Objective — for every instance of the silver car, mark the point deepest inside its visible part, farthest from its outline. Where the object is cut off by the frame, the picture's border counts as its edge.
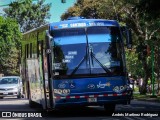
(10, 86)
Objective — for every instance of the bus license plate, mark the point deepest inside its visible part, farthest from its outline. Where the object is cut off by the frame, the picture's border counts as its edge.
(92, 99)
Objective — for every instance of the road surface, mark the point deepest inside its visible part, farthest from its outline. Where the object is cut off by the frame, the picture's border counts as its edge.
(137, 110)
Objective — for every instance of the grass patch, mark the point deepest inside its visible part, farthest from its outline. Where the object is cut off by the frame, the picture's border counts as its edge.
(136, 89)
(145, 97)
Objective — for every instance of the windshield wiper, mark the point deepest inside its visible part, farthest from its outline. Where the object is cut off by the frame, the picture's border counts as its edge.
(76, 68)
(93, 57)
(104, 68)
(89, 56)
(86, 57)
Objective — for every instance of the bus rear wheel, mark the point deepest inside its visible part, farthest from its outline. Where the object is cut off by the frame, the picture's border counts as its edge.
(109, 108)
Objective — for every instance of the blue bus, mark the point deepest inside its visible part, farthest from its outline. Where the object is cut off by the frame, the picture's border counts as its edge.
(76, 62)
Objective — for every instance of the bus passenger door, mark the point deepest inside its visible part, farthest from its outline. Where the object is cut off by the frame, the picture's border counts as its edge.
(47, 63)
(40, 59)
(46, 78)
(43, 74)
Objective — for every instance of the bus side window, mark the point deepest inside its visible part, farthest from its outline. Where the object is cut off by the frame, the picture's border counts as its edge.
(39, 48)
(27, 51)
(30, 50)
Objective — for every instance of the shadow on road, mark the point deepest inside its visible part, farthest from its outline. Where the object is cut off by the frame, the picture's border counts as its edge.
(11, 99)
(22, 105)
(77, 112)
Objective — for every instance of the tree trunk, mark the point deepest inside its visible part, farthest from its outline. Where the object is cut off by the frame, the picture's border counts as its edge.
(143, 89)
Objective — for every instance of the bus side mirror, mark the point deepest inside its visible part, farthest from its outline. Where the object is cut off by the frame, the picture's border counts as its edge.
(129, 38)
(49, 39)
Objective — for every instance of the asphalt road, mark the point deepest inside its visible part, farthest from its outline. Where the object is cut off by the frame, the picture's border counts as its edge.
(137, 110)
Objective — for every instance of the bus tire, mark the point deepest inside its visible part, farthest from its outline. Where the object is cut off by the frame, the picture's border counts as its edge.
(109, 108)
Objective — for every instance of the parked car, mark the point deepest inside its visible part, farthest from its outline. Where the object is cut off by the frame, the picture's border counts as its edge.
(11, 86)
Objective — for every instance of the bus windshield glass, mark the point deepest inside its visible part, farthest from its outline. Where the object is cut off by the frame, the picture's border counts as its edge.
(87, 52)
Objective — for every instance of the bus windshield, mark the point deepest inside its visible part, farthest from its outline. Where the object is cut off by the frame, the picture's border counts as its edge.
(87, 52)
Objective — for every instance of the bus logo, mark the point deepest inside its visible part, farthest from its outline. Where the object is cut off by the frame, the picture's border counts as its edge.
(72, 85)
(100, 85)
(108, 84)
(62, 85)
(91, 86)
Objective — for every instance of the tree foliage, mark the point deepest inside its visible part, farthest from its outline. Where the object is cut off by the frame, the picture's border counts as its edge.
(90, 9)
(133, 63)
(29, 15)
(21, 14)
(150, 7)
(148, 27)
(10, 37)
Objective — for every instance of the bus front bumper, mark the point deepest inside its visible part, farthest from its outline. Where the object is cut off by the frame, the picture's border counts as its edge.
(87, 100)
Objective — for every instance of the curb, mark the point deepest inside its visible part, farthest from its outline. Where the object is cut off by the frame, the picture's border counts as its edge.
(149, 100)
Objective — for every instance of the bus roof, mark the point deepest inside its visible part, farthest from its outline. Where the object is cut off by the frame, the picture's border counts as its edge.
(82, 23)
(37, 29)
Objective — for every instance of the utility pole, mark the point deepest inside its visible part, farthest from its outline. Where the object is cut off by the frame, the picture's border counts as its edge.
(158, 93)
(153, 76)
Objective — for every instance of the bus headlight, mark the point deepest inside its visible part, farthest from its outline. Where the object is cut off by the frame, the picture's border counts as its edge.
(116, 89)
(62, 91)
(119, 88)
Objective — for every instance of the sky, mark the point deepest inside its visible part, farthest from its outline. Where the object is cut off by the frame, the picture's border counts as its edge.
(56, 10)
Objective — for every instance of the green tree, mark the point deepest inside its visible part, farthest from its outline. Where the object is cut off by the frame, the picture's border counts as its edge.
(29, 15)
(91, 9)
(134, 66)
(10, 37)
(152, 10)
(146, 24)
